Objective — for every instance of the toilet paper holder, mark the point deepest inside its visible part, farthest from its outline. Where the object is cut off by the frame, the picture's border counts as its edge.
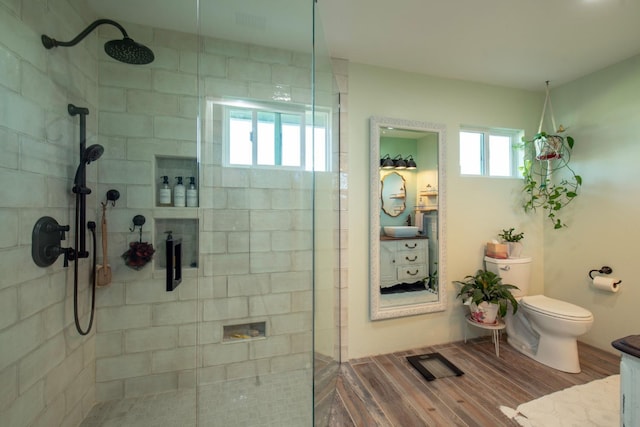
(604, 270)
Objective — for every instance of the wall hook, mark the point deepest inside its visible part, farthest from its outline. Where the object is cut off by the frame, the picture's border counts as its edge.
(138, 221)
(112, 196)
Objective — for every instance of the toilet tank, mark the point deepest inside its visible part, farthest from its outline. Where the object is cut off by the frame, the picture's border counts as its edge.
(512, 271)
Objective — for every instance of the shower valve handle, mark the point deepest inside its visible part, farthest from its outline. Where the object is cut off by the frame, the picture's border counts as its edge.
(55, 228)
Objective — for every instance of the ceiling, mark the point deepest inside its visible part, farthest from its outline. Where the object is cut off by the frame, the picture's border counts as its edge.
(511, 43)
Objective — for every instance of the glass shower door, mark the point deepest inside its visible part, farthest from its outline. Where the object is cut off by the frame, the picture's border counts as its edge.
(267, 164)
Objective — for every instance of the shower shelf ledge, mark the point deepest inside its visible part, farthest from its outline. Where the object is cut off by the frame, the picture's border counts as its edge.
(180, 213)
(187, 272)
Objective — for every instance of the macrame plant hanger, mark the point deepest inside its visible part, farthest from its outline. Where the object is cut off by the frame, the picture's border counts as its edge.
(548, 147)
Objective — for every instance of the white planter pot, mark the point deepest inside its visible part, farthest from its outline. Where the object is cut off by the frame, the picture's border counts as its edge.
(515, 249)
(484, 312)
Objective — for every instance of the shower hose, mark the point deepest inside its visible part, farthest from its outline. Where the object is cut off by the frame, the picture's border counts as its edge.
(91, 226)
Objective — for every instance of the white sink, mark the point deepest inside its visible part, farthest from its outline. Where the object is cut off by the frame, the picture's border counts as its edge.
(401, 231)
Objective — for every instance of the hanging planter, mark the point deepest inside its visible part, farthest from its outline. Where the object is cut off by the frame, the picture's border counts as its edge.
(548, 147)
(546, 155)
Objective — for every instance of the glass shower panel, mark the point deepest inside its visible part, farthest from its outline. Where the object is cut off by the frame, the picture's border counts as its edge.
(146, 353)
(326, 229)
(256, 338)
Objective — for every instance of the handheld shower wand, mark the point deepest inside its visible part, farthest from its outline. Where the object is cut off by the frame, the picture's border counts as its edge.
(87, 155)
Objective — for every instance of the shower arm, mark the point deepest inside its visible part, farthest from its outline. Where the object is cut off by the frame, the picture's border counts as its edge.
(50, 43)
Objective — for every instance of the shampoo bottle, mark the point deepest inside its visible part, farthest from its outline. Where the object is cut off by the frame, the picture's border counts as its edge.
(164, 196)
(179, 194)
(192, 193)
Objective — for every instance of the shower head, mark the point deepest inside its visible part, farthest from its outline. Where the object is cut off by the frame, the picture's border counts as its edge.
(128, 51)
(125, 50)
(92, 153)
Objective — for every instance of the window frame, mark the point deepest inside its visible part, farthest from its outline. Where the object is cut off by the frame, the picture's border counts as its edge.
(306, 115)
(516, 153)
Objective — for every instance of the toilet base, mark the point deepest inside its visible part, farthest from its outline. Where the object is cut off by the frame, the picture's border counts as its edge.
(555, 352)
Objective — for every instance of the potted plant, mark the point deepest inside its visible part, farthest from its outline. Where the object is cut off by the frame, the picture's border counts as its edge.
(545, 155)
(512, 239)
(487, 296)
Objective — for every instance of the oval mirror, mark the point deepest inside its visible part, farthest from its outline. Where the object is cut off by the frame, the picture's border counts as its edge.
(392, 194)
(407, 234)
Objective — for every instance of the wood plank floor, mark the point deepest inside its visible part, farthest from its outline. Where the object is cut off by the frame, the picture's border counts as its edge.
(387, 391)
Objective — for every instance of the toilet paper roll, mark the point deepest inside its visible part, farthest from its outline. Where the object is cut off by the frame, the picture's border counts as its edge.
(608, 284)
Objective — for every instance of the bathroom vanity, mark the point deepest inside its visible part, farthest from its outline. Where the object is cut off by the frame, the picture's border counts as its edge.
(403, 260)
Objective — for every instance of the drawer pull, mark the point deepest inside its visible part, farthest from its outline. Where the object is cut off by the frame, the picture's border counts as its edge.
(415, 245)
(412, 274)
(411, 259)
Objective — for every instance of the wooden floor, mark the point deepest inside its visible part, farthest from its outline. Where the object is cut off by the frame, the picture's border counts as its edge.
(387, 391)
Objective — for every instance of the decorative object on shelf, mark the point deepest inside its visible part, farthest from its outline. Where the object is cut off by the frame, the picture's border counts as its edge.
(486, 286)
(192, 193)
(429, 190)
(512, 239)
(179, 193)
(164, 193)
(546, 154)
(139, 253)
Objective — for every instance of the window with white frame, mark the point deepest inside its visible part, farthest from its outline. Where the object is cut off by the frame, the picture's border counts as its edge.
(276, 136)
(491, 152)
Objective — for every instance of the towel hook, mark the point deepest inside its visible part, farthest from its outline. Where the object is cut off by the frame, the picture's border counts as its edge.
(138, 221)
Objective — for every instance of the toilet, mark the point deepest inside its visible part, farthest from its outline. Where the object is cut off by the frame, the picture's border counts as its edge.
(543, 328)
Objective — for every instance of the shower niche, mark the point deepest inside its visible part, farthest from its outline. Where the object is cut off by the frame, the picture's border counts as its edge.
(185, 230)
(172, 168)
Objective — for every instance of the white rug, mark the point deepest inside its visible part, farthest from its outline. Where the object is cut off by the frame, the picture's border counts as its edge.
(593, 404)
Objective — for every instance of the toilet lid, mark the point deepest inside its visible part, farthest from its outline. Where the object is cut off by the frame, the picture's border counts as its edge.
(556, 308)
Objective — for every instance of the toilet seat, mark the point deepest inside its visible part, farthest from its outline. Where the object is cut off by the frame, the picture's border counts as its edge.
(556, 308)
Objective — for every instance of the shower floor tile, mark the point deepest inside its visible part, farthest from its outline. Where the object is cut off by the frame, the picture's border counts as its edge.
(280, 400)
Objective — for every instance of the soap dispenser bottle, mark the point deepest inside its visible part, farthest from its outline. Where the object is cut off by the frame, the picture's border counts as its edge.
(164, 196)
(192, 193)
(179, 193)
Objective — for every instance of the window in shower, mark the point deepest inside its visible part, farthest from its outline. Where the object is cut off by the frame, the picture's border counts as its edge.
(268, 135)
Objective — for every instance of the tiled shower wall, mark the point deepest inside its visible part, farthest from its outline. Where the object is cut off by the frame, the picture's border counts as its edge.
(47, 370)
(255, 235)
(255, 226)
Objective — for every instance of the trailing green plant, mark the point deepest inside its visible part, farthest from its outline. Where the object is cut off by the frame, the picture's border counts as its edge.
(510, 235)
(487, 286)
(539, 189)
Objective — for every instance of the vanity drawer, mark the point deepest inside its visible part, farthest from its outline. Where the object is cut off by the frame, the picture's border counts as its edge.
(412, 245)
(411, 257)
(412, 273)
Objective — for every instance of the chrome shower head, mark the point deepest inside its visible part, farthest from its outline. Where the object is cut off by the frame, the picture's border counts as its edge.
(125, 50)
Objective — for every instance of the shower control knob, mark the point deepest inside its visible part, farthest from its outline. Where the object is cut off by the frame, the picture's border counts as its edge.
(45, 241)
(56, 228)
